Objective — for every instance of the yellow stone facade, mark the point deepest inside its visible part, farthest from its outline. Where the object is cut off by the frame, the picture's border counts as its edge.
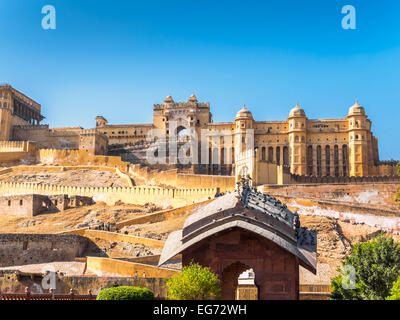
(313, 147)
(297, 145)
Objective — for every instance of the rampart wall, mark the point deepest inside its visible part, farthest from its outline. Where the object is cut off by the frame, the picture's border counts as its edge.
(113, 236)
(382, 194)
(52, 169)
(175, 179)
(130, 195)
(296, 179)
(114, 267)
(16, 282)
(79, 157)
(20, 249)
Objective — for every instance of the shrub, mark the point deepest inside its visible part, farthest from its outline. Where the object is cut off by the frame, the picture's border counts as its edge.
(376, 265)
(125, 293)
(194, 283)
(395, 292)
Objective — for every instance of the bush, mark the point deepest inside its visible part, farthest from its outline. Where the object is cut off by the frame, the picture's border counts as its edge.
(376, 265)
(194, 283)
(125, 293)
(395, 292)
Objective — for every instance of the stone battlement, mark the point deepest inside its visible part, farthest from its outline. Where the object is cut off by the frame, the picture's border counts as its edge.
(181, 105)
(14, 146)
(131, 195)
(20, 249)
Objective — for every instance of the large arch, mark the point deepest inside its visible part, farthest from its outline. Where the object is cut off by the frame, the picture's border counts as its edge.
(229, 279)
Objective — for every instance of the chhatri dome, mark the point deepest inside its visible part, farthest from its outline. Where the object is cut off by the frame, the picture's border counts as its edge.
(297, 112)
(244, 113)
(356, 109)
(169, 100)
(193, 98)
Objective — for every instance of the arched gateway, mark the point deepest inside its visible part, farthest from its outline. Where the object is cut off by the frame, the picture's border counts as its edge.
(246, 229)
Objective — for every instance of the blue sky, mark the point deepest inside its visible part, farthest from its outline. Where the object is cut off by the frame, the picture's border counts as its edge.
(117, 58)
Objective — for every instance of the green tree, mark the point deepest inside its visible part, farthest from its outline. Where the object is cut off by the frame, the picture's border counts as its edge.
(194, 283)
(395, 292)
(125, 293)
(376, 265)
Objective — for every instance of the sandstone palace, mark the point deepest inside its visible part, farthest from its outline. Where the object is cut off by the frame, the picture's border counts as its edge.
(283, 151)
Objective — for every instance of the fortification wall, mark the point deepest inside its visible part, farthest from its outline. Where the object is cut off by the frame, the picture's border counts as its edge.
(179, 180)
(383, 170)
(111, 195)
(163, 215)
(113, 236)
(52, 169)
(383, 193)
(20, 249)
(79, 157)
(15, 152)
(296, 179)
(114, 267)
(63, 138)
(14, 282)
(14, 146)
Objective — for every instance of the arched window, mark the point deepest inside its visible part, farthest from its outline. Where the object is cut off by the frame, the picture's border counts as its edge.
(285, 156)
(278, 156)
(270, 154)
(336, 160)
(328, 160)
(263, 153)
(310, 160)
(345, 159)
(319, 161)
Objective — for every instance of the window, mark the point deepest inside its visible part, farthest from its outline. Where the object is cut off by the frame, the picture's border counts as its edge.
(9, 203)
(20, 202)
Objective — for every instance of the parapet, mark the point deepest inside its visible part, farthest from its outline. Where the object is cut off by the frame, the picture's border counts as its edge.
(181, 105)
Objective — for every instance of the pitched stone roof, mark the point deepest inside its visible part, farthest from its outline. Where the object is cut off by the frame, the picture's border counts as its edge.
(250, 210)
